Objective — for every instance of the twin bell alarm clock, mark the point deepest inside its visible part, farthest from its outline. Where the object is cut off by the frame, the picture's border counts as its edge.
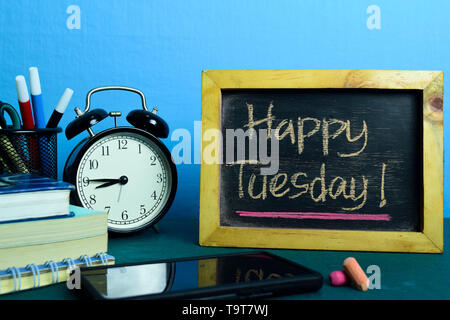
(124, 171)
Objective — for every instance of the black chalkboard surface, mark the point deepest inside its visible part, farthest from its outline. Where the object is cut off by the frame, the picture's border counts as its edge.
(349, 159)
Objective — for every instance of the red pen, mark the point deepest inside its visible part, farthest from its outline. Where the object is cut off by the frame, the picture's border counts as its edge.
(24, 103)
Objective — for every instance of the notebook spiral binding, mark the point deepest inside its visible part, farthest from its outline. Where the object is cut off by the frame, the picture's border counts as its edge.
(70, 263)
(36, 274)
(86, 260)
(54, 268)
(15, 272)
(103, 257)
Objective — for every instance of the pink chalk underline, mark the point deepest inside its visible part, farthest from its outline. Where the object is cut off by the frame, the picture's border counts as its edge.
(316, 215)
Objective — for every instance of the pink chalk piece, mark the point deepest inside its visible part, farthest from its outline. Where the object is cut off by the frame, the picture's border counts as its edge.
(338, 278)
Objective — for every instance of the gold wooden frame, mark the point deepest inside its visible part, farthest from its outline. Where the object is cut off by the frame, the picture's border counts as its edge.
(429, 240)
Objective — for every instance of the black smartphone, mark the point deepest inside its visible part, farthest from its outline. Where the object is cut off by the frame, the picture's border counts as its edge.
(229, 276)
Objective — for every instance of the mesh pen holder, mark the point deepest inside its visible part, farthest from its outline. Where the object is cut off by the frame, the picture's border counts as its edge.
(29, 151)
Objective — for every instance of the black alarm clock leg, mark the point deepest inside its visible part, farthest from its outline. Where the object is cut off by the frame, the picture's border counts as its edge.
(155, 228)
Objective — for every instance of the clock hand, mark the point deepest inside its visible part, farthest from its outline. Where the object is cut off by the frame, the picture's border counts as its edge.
(104, 180)
(120, 193)
(109, 182)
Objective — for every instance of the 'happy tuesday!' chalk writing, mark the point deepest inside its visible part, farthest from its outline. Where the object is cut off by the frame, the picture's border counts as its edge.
(320, 188)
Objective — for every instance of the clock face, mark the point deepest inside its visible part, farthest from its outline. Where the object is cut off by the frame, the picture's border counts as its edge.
(128, 176)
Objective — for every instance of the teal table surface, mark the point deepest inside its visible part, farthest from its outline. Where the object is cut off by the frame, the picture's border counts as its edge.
(403, 275)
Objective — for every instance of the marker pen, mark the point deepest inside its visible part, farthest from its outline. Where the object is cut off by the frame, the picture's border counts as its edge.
(36, 98)
(24, 102)
(60, 108)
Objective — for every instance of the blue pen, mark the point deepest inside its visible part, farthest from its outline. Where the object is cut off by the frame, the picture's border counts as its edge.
(36, 98)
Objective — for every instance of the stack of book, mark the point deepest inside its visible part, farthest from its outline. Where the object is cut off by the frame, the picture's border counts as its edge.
(42, 236)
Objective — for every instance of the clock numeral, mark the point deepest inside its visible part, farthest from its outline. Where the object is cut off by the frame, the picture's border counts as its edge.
(105, 150)
(124, 215)
(93, 164)
(153, 160)
(159, 178)
(140, 148)
(143, 210)
(122, 144)
(86, 182)
(107, 209)
(153, 195)
(92, 199)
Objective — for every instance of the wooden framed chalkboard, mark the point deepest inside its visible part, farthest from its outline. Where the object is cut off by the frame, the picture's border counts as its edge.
(322, 159)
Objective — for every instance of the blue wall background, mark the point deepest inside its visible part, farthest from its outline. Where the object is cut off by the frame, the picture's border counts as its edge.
(161, 47)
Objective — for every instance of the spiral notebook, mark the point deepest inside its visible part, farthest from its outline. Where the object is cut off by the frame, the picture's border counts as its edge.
(36, 276)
